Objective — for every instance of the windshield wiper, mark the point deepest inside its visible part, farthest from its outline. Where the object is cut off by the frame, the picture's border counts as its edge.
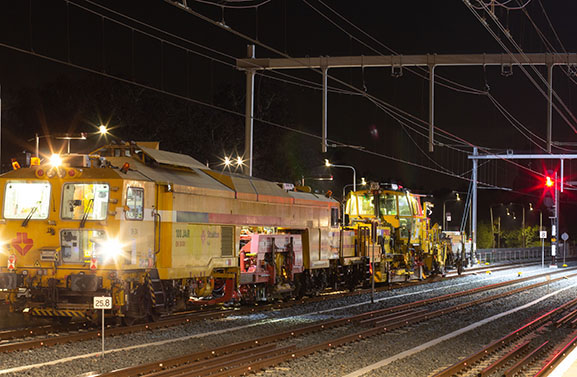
(86, 212)
(27, 219)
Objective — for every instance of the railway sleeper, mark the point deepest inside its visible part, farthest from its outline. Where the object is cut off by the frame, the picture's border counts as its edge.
(525, 361)
(505, 359)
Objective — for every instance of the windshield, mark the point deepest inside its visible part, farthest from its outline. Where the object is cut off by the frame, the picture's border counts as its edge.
(85, 201)
(388, 204)
(404, 207)
(366, 206)
(27, 200)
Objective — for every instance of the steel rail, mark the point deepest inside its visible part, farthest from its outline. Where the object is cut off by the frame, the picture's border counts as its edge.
(400, 322)
(506, 340)
(174, 320)
(557, 358)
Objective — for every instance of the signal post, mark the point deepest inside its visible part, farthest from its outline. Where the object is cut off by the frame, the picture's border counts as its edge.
(552, 187)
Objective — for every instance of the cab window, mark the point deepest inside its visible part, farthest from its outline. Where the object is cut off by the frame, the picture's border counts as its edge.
(366, 206)
(334, 217)
(135, 203)
(404, 208)
(85, 201)
(24, 200)
(388, 205)
(352, 206)
(416, 206)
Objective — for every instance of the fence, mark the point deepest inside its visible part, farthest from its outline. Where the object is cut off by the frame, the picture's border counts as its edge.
(520, 254)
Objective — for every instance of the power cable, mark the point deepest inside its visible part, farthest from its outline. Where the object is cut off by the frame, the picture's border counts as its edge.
(276, 51)
(464, 88)
(232, 112)
(222, 5)
(486, 92)
(518, 48)
(288, 78)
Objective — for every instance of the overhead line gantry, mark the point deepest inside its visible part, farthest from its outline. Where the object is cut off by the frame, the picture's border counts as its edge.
(431, 61)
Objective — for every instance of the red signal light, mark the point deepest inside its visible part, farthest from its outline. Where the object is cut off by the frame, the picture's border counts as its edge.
(549, 182)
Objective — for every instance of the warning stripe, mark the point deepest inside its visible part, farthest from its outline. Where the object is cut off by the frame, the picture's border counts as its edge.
(151, 289)
(48, 312)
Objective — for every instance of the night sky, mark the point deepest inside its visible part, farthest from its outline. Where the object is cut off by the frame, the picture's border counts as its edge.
(159, 46)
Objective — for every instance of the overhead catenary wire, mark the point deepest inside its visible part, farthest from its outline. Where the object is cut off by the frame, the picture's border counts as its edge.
(203, 103)
(494, 3)
(547, 43)
(519, 126)
(229, 111)
(311, 85)
(276, 51)
(523, 69)
(308, 84)
(468, 90)
(223, 4)
(287, 78)
(339, 81)
(551, 26)
(458, 87)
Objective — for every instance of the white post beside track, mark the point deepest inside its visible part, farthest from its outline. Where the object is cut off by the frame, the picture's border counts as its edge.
(103, 303)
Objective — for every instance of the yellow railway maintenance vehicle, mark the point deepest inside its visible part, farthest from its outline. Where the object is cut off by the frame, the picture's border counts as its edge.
(158, 231)
(388, 224)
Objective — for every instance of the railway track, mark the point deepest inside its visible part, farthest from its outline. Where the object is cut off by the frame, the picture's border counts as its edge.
(250, 356)
(533, 349)
(14, 340)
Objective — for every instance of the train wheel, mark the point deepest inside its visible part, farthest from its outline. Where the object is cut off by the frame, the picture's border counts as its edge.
(63, 321)
(154, 316)
(128, 321)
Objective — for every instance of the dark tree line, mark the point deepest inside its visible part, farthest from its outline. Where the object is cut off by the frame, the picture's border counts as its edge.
(72, 106)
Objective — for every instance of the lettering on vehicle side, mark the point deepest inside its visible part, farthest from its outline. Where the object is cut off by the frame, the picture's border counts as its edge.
(182, 233)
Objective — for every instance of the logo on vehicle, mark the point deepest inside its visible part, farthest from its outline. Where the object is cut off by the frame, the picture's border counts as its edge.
(22, 243)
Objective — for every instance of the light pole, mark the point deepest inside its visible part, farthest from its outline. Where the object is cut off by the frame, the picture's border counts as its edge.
(328, 164)
(458, 199)
(102, 130)
(363, 183)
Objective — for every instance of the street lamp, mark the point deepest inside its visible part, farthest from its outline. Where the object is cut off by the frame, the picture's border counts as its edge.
(328, 164)
(457, 199)
(363, 183)
(228, 162)
(67, 137)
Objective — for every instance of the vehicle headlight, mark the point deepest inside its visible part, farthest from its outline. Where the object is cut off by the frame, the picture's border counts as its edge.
(111, 249)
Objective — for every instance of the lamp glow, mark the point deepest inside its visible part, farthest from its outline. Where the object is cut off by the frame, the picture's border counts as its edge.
(55, 160)
(102, 129)
(111, 249)
(327, 163)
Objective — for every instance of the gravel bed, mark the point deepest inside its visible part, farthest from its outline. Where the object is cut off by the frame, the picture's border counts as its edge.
(437, 357)
(333, 363)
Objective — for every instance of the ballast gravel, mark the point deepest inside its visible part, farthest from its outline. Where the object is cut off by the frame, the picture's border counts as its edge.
(176, 341)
